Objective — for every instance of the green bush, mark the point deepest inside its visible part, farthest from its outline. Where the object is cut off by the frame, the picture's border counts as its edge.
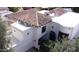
(64, 46)
(14, 9)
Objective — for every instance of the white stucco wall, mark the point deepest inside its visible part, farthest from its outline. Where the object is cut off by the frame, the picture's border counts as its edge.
(24, 36)
(29, 37)
(25, 40)
(23, 46)
(55, 27)
(37, 33)
(17, 34)
(69, 22)
(75, 32)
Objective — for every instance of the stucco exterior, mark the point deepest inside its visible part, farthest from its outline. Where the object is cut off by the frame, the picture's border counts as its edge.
(28, 38)
(67, 23)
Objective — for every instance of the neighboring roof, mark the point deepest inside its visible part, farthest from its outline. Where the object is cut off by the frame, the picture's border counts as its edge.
(31, 17)
(58, 11)
(69, 19)
(3, 8)
(5, 13)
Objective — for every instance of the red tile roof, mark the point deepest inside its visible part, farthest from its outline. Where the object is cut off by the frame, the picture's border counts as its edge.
(31, 17)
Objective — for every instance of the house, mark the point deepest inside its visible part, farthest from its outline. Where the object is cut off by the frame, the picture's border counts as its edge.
(67, 25)
(28, 27)
(4, 11)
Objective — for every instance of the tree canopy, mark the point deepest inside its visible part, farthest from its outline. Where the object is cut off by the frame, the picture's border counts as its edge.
(75, 9)
(4, 42)
(14, 9)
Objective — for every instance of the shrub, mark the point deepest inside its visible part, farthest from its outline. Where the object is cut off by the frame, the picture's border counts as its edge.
(14, 9)
(64, 46)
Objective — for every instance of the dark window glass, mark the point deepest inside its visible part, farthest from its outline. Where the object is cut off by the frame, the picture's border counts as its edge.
(52, 36)
(62, 35)
(27, 33)
(43, 29)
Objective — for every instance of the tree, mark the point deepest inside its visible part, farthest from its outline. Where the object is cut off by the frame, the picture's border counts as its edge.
(14, 9)
(61, 46)
(46, 46)
(76, 45)
(4, 42)
(75, 9)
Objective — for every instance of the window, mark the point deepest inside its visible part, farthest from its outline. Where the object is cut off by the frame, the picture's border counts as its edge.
(62, 35)
(52, 35)
(43, 29)
(27, 33)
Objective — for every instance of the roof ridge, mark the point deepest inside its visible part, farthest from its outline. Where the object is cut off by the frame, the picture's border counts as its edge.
(37, 18)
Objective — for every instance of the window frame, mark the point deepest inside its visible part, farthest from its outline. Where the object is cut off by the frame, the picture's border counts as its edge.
(43, 29)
